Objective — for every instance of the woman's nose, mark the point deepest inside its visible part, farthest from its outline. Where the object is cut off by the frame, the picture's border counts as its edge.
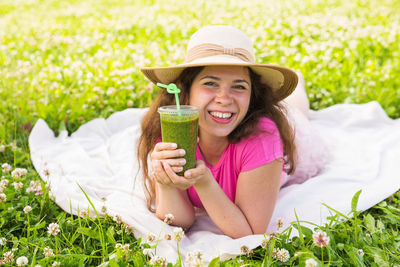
(223, 96)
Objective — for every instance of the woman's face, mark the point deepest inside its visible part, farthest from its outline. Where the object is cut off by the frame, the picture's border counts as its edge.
(223, 95)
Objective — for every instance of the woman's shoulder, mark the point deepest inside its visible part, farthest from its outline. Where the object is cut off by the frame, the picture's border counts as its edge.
(266, 124)
(266, 131)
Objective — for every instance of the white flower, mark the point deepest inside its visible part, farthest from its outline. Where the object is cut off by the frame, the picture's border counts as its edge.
(3, 197)
(53, 229)
(244, 249)
(27, 209)
(56, 263)
(18, 172)
(193, 259)
(360, 252)
(148, 252)
(2, 148)
(125, 248)
(311, 263)
(150, 238)
(48, 252)
(14, 249)
(264, 242)
(279, 223)
(321, 239)
(281, 254)
(83, 213)
(3, 241)
(118, 245)
(6, 167)
(18, 185)
(169, 218)
(157, 260)
(8, 256)
(178, 234)
(4, 182)
(118, 219)
(21, 261)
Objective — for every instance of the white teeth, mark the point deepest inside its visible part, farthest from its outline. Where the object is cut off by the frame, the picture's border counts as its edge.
(221, 115)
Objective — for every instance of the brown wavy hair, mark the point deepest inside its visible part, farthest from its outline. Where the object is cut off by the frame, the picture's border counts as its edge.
(262, 104)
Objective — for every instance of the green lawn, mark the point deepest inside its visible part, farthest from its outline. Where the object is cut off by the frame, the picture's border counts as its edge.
(72, 61)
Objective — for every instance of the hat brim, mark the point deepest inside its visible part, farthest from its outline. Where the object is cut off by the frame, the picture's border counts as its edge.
(280, 79)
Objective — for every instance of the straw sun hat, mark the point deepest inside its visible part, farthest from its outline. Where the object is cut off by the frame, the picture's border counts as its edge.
(225, 45)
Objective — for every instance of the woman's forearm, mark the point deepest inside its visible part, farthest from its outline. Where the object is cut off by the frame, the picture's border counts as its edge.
(224, 213)
(175, 201)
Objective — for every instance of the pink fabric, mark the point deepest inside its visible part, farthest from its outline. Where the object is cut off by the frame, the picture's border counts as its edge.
(250, 153)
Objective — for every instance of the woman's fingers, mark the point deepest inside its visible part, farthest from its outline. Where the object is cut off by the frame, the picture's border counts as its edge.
(167, 154)
(178, 181)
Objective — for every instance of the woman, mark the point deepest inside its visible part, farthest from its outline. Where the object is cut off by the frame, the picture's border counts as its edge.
(246, 145)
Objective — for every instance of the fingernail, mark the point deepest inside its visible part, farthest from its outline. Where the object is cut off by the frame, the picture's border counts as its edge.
(182, 152)
(174, 145)
(183, 162)
(188, 173)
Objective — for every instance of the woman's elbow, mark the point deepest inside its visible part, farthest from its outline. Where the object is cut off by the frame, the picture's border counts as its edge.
(185, 221)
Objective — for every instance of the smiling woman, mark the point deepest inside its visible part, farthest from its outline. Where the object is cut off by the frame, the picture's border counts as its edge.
(246, 145)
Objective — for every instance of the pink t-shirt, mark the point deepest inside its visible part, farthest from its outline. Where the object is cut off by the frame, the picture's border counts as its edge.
(250, 153)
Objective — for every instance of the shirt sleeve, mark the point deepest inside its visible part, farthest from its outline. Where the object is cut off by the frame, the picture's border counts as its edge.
(261, 148)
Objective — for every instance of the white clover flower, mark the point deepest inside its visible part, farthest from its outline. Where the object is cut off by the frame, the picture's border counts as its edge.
(18, 172)
(244, 249)
(3, 197)
(129, 103)
(118, 219)
(27, 209)
(3, 241)
(321, 239)
(8, 257)
(125, 248)
(48, 252)
(83, 213)
(311, 263)
(6, 167)
(22, 261)
(279, 223)
(360, 252)
(55, 264)
(2, 148)
(169, 218)
(150, 238)
(53, 229)
(148, 252)
(157, 260)
(14, 249)
(194, 259)
(18, 186)
(264, 242)
(118, 245)
(4, 182)
(167, 237)
(178, 234)
(283, 255)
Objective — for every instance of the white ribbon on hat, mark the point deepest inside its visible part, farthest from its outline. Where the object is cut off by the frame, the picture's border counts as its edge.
(208, 50)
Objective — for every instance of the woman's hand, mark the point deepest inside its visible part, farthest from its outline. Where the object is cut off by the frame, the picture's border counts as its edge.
(167, 152)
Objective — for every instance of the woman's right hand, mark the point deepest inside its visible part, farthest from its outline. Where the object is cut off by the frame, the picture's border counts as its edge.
(167, 153)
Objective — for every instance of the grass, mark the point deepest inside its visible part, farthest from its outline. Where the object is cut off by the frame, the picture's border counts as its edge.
(72, 61)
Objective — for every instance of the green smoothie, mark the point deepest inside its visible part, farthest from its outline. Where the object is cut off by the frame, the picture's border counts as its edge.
(181, 127)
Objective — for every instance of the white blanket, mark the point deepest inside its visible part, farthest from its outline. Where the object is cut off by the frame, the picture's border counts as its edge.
(101, 157)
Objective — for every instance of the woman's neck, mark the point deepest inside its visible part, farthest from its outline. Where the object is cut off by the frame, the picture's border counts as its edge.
(212, 148)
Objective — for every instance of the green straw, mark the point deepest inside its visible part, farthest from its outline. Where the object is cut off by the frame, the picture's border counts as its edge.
(172, 89)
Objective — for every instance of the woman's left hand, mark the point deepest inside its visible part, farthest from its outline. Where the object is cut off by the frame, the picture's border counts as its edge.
(200, 174)
(196, 176)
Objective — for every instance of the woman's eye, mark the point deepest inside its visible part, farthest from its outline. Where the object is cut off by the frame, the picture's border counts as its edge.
(210, 83)
(239, 87)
